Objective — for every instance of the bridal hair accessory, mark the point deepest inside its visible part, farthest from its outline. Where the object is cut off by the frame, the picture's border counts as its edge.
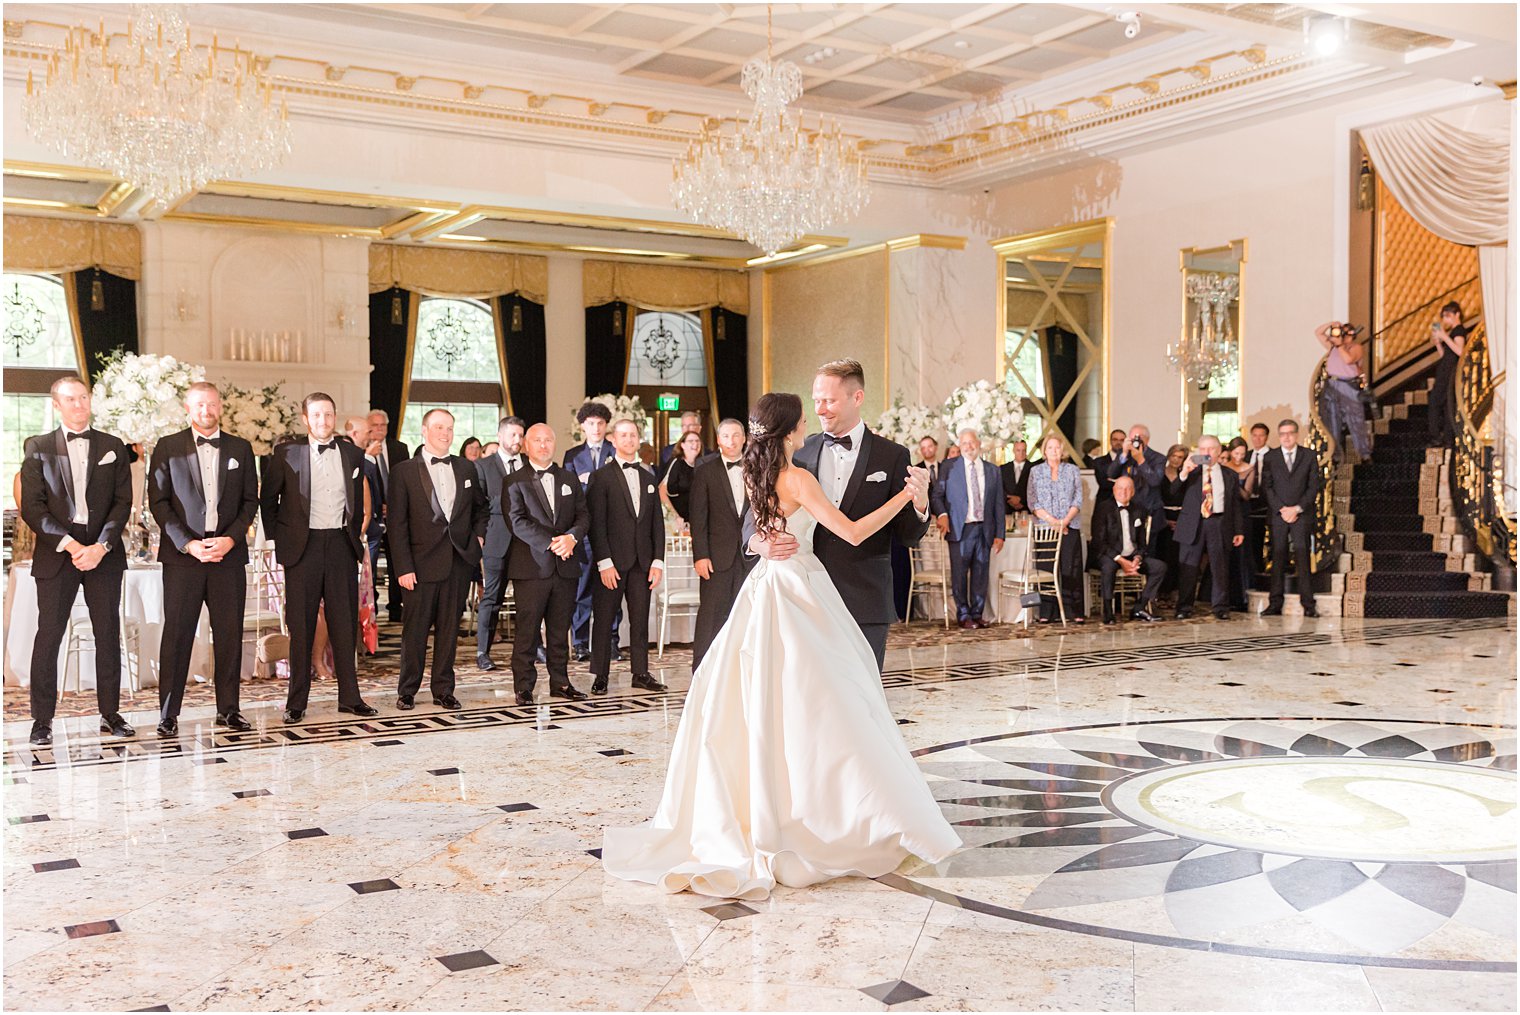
(757, 429)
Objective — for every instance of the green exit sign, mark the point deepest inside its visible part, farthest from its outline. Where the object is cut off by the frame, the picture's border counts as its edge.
(670, 403)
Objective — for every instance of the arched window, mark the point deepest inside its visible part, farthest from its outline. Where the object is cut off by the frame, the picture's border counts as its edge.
(667, 351)
(39, 348)
(456, 365)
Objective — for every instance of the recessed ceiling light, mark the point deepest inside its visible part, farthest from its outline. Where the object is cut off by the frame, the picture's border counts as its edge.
(1325, 35)
(962, 44)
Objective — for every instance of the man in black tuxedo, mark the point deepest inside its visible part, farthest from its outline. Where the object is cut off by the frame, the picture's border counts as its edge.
(546, 509)
(312, 502)
(584, 459)
(76, 495)
(691, 422)
(718, 506)
(1291, 478)
(385, 453)
(1118, 545)
(1015, 475)
(928, 453)
(1102, 465)
(356, 429)
(203, 490)
(438, 511)
(859, 472)
(495, 471)
(1259, 516)
(628, 542)
(1210, 522)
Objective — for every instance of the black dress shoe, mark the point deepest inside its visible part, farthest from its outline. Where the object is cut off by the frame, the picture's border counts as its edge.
(1108, 620)
(484, 663)
(293, 715)
(1272, 611)
(361, 708)
(405, 702)
(582, 655)
(617, 655)
(1145, 615)
(234, 721)
(1221, 614)
(568, 691)
(168, 728)
(599, 685)
(1184, 614)
(42, 735)
(1310, 611)
(449, 702)
(648, 683)
(524, 698)
(116, 726)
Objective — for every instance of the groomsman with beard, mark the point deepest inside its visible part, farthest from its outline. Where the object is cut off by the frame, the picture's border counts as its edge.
(437, 516)
(547, 511)
(203, 491)
(76, 495)
(718, 506)
(312, 503)
(495, 472)
(628, 541)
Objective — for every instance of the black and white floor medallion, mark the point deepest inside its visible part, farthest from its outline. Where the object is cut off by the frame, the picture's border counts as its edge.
(1375, 842)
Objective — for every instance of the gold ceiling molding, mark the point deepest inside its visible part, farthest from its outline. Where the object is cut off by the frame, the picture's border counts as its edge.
(890, 246)
(664, 287)
(115, 191)
(58, 245)
(444, 271)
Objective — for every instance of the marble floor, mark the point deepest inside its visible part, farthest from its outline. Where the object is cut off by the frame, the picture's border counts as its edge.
(1271, 814)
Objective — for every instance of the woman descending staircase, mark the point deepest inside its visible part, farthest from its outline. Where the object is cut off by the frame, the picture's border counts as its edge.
(1408, 555)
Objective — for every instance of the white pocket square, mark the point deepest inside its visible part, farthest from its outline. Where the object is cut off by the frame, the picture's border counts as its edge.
(584, 476)
(232, 464)
(108, 459)
(354, 476)
(877, 477)
(650, 489)
(564, 490)
(466, 482)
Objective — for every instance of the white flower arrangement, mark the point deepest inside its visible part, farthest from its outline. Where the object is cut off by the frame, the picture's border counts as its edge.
(622, 407)
(261, 417)
(140, 398)
(908, 424)
(992, 410)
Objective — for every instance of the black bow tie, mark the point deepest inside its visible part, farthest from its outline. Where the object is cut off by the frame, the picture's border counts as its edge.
(733, 465)
(830, 440)
(216, 442)
(437, 461)
(323, 447)
(540, 472)
(630, 465)
(80, 436)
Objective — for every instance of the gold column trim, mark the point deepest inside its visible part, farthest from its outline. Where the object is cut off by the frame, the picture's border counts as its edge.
(927, 240)
(501, 352)
(1508, 88)
(71, 300)
(414, 304)
(765, 331)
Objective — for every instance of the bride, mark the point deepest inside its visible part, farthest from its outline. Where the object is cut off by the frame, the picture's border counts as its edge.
(787, 767)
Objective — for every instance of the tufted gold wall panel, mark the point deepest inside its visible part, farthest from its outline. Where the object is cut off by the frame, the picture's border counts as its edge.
(1414, 266)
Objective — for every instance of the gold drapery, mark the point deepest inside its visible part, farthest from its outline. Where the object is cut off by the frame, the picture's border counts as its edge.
(498, 312)
(665, 287)
(414, 306)
(59, 246)
(443, 271)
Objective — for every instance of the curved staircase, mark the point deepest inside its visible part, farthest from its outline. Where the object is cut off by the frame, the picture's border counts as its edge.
(1408, 556)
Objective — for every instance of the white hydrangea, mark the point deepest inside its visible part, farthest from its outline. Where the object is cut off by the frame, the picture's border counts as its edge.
(261, 417)
(992, 410)
(141, 398)
(908, 424)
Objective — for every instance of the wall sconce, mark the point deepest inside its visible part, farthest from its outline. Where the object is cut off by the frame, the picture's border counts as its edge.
(617, 321)
(398, 310)
(516, 316)
(345, 317)
(97, 293)
(182, 308)
(1365, 189)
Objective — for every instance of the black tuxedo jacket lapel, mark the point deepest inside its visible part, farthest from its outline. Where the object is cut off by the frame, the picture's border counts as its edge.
(464, 473)
(425, 476)
(537, 483)
(193, 463)
(622, 485)
(61, 451)
(89, 465)
(299, 457)
(223, 473)
(858, 477)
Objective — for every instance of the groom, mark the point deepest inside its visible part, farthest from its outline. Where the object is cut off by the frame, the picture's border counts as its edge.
(859, 472)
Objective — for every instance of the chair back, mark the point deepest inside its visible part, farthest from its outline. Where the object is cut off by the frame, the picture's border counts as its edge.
(1044, 547)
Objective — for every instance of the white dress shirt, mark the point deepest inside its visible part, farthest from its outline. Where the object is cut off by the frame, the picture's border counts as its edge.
(1288, 456)
(1219, 491)
(735, 483)
(511, 463)
(208, 457)
(836, 464)
(546, 482)
(635, 479)
(975, 493)
(1258, 460)
(442, 475)
(328, 502)
(79, 469)
(1127, 545)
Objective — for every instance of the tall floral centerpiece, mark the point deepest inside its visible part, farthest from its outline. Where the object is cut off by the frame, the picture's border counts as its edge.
(621, 406)
(908, 424)
(993, 410)
(262, 417)
(140, 398)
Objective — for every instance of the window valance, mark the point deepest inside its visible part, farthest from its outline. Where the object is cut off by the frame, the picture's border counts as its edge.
(443, 271)
(58, 246)
(665, 287)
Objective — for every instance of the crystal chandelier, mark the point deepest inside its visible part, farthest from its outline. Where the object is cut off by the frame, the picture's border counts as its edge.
(771, 180)
(1207, 354)
(164, 115)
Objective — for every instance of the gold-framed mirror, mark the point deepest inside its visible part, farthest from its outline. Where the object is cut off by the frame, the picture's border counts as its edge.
(1053, 317)
(1207, 355)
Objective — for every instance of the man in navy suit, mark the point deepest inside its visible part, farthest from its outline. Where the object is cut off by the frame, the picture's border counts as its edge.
(971, 511)
(584, 459)
(1291, 476)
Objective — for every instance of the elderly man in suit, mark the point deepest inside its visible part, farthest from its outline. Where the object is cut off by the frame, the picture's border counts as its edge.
(76, 495)
(718, 506)
(547, 511)
(1291, 478)
(1211, 521)
(628, 543)
(971, 511)
(312, 501)
(1118, 545)
(203, 490)
(437, 515)
(495, 471)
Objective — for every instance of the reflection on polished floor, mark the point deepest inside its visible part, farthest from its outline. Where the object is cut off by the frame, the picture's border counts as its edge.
(1262, 815)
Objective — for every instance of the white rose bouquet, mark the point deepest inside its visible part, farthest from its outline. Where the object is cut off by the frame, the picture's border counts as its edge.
(995, 412)
(908, 424)
(260, 417)
(140, 398)
(622, 407)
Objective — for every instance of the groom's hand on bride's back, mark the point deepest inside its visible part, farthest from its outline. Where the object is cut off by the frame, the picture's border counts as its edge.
(779, 547)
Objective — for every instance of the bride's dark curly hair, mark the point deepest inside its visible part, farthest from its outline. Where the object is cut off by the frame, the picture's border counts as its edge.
(771, 422)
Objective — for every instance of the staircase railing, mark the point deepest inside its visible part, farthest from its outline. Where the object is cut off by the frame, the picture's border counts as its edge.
(1477, 481)
(1327, 543)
